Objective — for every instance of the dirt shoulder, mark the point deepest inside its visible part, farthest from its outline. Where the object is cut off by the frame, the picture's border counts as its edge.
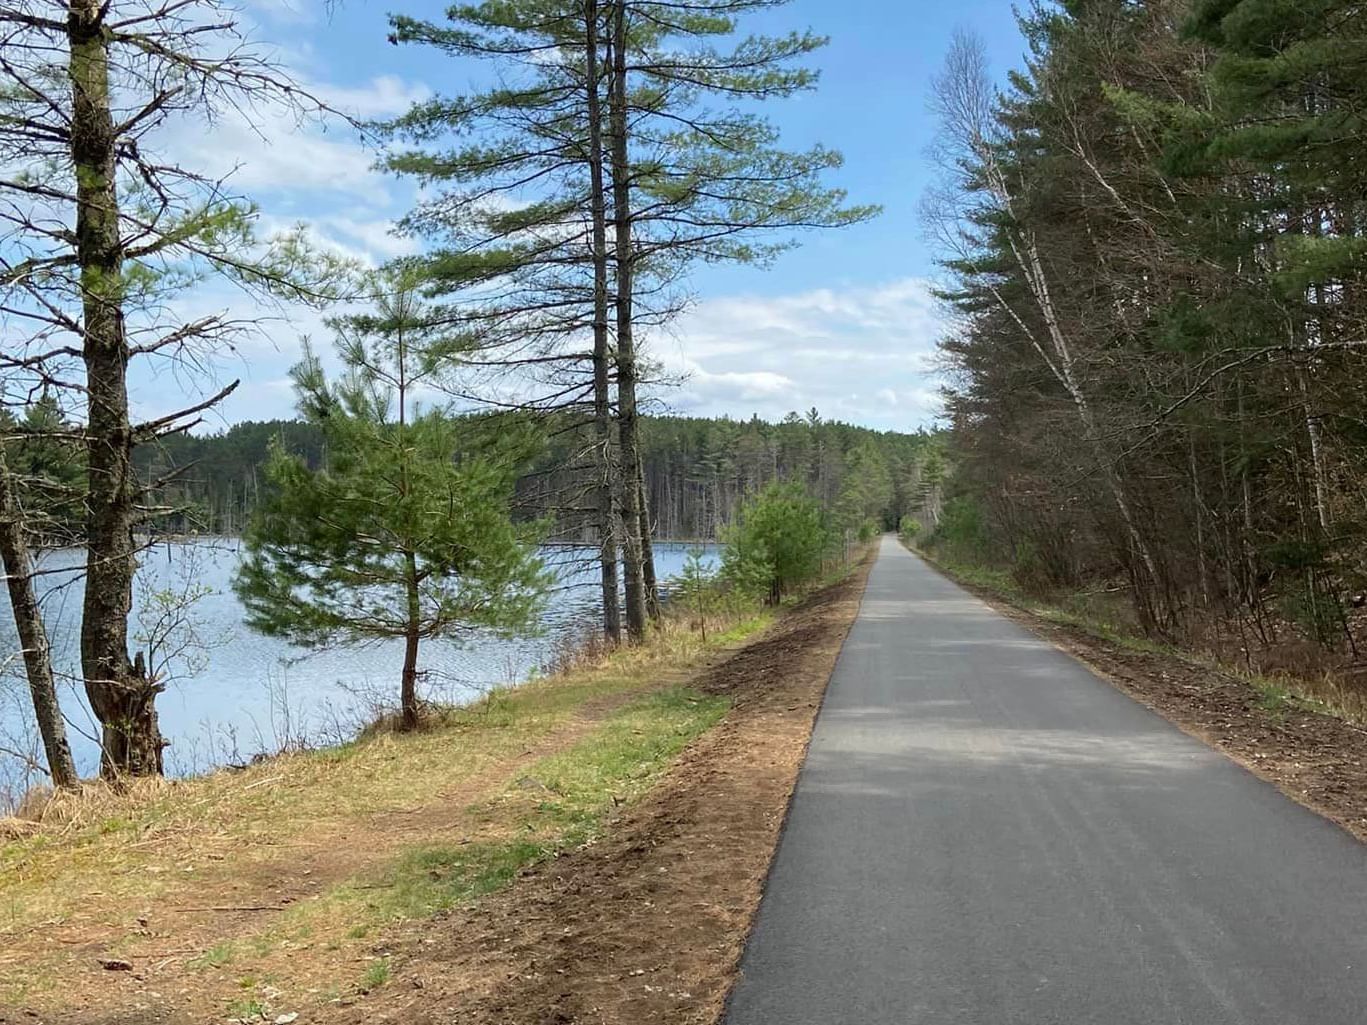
(586, 848)
(646, 925)
(1313, 756)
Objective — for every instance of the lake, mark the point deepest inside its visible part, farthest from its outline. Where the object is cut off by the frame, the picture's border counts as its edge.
(237, 693)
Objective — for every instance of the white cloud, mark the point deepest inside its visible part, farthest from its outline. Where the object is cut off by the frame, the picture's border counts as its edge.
(382, 96)
(291, 161)
(861, 353)
(752, 385)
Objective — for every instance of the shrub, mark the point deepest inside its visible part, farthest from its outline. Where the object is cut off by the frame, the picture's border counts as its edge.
(777, 542)
(909, 529)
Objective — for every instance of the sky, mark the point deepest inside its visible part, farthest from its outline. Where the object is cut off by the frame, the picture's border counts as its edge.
(845, 323)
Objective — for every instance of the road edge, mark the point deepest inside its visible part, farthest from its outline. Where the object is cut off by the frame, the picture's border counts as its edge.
(1317, 760)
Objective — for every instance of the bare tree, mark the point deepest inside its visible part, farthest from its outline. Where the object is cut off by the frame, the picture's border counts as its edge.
(101, 228)
(33, 638)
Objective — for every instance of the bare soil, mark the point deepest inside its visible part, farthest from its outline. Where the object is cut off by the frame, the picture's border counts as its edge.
(646, 926)
(1317, 758)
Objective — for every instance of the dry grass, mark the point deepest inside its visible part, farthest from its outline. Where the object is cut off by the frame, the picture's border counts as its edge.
(88, 869)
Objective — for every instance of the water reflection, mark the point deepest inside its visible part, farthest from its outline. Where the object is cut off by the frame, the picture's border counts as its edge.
(250, 693)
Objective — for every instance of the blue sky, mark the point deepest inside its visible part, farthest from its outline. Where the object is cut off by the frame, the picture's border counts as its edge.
(844, 323)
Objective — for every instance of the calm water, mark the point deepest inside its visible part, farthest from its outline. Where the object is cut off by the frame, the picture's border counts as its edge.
(244, 693)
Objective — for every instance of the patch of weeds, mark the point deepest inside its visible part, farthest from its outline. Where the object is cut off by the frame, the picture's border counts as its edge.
(216, 956)
(615, 765)
(429, 879)
(375, 976)
(745, 629)
(246, 1009)
(1275, 699)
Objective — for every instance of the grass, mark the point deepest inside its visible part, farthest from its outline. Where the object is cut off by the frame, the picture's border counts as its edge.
(246, 1009)
(101, 858)
(375, 976)
(560, 803)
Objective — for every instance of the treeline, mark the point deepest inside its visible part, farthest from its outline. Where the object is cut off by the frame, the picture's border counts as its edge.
(697, 473)
(1156, 239)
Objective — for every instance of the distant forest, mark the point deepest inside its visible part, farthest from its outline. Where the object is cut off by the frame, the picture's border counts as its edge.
(697, 470)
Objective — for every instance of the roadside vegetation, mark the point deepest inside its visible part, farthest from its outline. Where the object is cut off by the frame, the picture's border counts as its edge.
(1152, 239)
(285, 875)
(320, 849)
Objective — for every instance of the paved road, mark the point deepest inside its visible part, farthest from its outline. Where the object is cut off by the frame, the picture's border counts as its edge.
(984, 833)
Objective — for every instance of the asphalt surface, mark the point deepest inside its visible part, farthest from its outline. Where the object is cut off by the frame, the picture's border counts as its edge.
(985, 833)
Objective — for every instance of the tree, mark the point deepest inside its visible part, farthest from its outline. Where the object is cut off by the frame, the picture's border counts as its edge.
(777, 542)
(517, 228)
(671, 162)
(698, 176)
(697, 588)
(1154, 238)
(103, 228)
(405, 530)
(866, 496)
(36, 649)
(40, 497)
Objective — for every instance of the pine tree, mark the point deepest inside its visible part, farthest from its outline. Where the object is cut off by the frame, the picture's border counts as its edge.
(626, 115)
(777, 543)
(405, 531)
(516, 225)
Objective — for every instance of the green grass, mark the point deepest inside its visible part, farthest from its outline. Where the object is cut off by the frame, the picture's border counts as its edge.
(216, 956)
(246, 1009)
(375, 976)
(560, 803)
(103, 851)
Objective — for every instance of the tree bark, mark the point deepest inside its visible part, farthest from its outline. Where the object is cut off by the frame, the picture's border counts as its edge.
(408, 684)
(651, 582)
(121, 695)
(33, 639)
(604, 487)
(627, 373)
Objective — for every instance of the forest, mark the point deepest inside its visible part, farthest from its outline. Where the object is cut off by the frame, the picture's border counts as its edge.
(1153, 245)
(697, 472)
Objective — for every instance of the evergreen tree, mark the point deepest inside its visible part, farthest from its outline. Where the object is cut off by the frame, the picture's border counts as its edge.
(777, 542)
(405, 530)
(626, 115)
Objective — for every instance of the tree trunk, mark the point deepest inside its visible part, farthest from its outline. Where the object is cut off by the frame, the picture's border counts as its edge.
(408, 685)
(605, 486)
(628, 444)
(33, 639)
(652, 583)
(121, 695)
